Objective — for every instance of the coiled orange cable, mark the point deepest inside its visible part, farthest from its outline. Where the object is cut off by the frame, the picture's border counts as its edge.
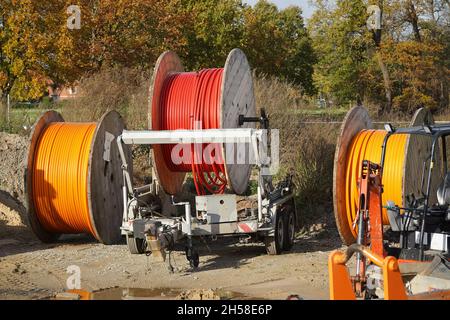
(60, 177)
(191, 100)
(367, 145)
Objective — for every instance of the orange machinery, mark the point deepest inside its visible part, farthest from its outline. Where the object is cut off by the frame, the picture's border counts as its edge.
(413, 261)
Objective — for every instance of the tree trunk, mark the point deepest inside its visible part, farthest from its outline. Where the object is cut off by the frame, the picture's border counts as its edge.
(414, 20)
(387, 84)
(384, 70)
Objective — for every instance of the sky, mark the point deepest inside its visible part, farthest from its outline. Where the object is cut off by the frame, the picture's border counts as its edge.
(307, 8)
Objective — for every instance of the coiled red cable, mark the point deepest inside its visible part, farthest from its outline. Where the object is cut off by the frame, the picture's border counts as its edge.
(191, 100)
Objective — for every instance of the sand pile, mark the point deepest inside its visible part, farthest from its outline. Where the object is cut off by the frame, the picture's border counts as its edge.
(13, 158)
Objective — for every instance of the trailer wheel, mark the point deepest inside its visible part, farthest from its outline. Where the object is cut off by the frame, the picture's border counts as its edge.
(274, 244)
(136, 245)
(289, 219)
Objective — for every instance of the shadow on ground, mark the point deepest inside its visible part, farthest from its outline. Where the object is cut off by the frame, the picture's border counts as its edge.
(229, 253)
(23, 241)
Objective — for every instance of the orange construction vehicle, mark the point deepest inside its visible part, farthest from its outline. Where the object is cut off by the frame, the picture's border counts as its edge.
(408, 257)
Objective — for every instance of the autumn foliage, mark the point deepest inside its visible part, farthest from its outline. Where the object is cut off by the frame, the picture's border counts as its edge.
(403, 66)
(36, 44)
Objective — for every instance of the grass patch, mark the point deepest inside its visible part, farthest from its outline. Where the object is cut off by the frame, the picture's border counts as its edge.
(324, 112)
(22, 116)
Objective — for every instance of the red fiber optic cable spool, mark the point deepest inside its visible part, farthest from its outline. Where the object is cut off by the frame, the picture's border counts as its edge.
(216, 97)
(74, 178)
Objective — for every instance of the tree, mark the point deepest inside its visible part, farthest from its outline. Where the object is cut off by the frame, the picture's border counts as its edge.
(417, 53)
(37, 46)
(214, 29)
(24, 50)
(341, 41)
(408, 59)
(278, 43)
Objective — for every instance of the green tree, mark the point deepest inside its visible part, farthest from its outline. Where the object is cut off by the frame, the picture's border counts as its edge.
(277, 43)
(341, 41)
(404, 65)
(214, 29)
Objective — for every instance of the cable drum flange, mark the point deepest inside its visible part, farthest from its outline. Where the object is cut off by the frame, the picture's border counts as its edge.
(36, 131)
(238, 98)
(167, 64)
(419, 148)
(106, 179)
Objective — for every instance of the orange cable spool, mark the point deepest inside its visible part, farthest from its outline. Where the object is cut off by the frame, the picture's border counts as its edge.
(213, 97)
(60, 196)
(401, 172)
(74, 178)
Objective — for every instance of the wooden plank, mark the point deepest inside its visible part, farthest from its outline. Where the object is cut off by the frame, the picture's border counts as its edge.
(168, 63)
(237, 98)
(356, 120)
(105, 179)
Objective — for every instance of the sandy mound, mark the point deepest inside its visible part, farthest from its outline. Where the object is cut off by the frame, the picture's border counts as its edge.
(13, 158)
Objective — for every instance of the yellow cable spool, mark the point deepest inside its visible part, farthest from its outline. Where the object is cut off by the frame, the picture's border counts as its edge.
(367, 145)
(401, 172)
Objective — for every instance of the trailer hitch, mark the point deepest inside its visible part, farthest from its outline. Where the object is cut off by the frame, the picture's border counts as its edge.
(191, 253)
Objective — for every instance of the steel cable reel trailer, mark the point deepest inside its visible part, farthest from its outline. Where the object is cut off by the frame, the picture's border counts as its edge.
(222, 101)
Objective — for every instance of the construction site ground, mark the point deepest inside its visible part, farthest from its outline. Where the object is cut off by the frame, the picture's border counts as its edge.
(30, 269)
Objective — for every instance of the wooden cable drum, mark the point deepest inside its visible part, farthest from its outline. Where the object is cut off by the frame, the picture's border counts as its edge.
(402, 171)
(206, 99)
(74, 178)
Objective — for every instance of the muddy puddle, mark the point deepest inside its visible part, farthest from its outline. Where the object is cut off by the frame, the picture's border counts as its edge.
(118, 293)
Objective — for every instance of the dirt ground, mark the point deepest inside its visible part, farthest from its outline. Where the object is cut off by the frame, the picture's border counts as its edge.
(32, 270)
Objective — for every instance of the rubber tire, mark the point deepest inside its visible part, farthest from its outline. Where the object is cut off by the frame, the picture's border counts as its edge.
(274, 244)
(289, 227)
(135, 245)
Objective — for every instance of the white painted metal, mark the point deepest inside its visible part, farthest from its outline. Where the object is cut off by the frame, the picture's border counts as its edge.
(217, 208)
(242, 135)
(439, 241)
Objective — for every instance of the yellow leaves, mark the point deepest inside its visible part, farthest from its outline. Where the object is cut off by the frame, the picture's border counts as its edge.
(28, 86)
(415, 72)
(3, 78)
(17, 67)
(411, 98)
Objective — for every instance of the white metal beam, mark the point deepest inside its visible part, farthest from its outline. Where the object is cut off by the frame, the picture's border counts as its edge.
(241, 135)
